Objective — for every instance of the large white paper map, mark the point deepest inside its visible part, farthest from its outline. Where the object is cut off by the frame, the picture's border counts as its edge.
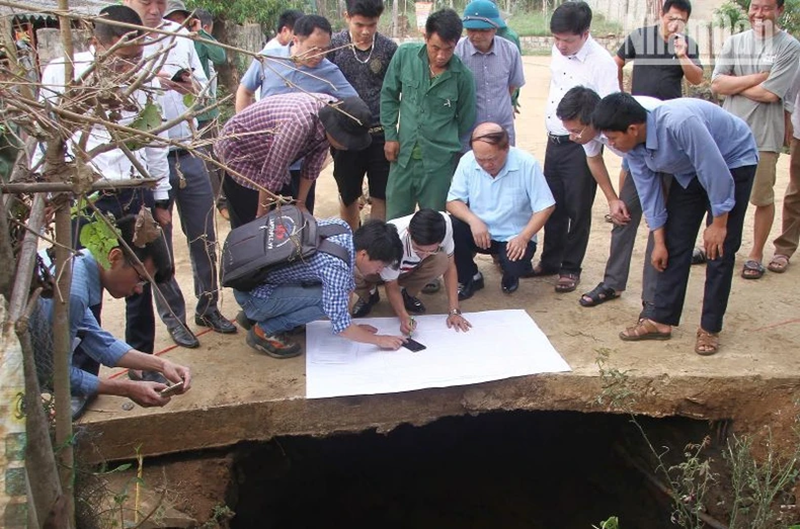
(501, 344)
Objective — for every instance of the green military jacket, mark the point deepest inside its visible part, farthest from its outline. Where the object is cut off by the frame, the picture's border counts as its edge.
(432, 113)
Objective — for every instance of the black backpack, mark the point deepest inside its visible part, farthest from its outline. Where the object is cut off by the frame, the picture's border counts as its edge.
(279, 238)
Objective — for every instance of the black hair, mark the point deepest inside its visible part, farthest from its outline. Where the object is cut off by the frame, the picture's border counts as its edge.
(305, 25)
(427, 226)
(365, 8)
(156, 250)
(288, 18)
(107, 34)
(681, 5)
(204, 16)
(498, 138)
(446, 23)
(381, 242)
(571, 17)
(579, 102)
(617, 112)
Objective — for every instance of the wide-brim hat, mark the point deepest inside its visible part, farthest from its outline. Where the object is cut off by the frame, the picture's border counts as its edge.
(341, 125)
(482, 14)
(176, 6)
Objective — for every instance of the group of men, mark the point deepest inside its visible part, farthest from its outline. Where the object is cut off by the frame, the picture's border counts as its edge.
(432, 126)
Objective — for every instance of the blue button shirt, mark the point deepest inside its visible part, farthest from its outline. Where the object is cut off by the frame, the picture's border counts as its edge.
(506, 202)
(99, 344)
(690, 138)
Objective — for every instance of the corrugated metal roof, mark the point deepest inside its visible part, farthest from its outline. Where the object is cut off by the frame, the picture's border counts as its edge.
(89, 7)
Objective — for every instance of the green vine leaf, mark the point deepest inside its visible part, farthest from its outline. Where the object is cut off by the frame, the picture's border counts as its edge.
(188, 100)
(148, 119)
(99, 238)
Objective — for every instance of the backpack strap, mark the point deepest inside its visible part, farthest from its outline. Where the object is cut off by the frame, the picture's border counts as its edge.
(331, 248)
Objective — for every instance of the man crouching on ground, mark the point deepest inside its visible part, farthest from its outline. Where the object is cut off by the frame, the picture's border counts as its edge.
(320, 286)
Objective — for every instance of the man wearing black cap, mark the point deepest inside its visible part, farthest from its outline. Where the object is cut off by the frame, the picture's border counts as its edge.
(259, 144)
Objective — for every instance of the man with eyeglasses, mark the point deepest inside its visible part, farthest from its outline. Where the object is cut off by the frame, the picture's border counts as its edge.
(755, 72)
(495, 63)
(662, 54)
(499, 201)
(575, 111)
(428, 247)
(123, 277)
(577, 59)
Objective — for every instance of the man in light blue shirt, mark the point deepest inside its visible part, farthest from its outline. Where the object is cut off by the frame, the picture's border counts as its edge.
(305, 69)
(713, 157)
(148, 373)
(499, 200)
(496, 65)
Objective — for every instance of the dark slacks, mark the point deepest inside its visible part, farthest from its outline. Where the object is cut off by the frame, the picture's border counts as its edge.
(140, 324)
(566, 232)
(195, 202)
(685, 210)
(243, 201)
(465, 249)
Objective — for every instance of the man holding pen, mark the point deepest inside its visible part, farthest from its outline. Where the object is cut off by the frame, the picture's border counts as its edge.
(427, 238)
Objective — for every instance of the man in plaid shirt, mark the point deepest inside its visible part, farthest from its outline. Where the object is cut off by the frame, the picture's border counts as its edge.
(260, 143)
(320, 287)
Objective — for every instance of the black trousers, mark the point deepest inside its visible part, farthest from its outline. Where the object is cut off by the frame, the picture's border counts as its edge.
(243, 201)
(466, 248)
(685, 210)
(140, 323)
(566, 232)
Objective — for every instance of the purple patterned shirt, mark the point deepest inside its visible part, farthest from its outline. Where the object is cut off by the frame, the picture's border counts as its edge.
(262, 141)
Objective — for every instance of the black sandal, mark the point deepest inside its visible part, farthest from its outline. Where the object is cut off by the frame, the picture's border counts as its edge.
(600, 294)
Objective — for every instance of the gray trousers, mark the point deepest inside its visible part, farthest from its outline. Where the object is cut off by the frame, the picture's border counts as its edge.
(623, 239)
(195, 201)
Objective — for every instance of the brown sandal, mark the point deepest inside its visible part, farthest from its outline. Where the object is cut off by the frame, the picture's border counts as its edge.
(567, 283)
(644, 330)
(707, 343)
(779, 263)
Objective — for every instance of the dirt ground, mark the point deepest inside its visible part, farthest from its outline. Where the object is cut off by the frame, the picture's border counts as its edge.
(758, 356)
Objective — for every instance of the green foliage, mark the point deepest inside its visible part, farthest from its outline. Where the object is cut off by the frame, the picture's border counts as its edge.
(534, 23)
(733, 13)
(611, 523)
(617, 393)
(264, 12)
(148, 119)
(99, 238)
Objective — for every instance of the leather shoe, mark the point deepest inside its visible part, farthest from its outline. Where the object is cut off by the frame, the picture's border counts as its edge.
(412, 303)
(509, 284)
(216, 321)
(362, 308)
(182, 336)
(78, 404)
(468, 289)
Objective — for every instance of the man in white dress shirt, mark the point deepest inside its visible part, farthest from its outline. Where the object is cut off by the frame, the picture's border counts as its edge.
(180, 74)
(576, 60)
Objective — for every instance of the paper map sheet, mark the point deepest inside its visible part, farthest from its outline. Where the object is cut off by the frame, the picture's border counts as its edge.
(501, 344)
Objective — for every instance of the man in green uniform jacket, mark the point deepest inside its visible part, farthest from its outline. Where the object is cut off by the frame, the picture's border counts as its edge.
(431, 94)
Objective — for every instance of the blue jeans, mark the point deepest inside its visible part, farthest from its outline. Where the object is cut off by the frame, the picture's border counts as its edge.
(288, 307)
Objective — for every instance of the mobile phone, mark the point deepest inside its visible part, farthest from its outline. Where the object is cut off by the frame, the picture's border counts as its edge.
(171, 390)
(180, 75)
(413, 345)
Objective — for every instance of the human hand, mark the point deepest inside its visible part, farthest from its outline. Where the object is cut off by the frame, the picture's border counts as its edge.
(659, 257)
(619, 212)
(480, 234)
(515, 248)
(391, 149)
(458, 322)
(680, 45)
(714, 240)
(183, 87)
(392, 343)
(407, 325)
(177, 373)
(146, 394)
(162, 216)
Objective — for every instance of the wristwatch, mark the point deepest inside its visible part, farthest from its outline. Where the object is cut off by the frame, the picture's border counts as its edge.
(162, 204)
(455, 312)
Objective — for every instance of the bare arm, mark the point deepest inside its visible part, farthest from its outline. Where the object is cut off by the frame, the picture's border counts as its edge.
(728, 85)
(760, 94)
(620, 66)
(244, 98)
(367, 334)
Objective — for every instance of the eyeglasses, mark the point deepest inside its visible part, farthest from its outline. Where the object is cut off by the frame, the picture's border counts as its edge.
(420, 251)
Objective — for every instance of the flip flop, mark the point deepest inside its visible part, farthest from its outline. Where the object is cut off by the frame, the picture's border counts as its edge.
(644, 330)
(753, 269)
(779, 263)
